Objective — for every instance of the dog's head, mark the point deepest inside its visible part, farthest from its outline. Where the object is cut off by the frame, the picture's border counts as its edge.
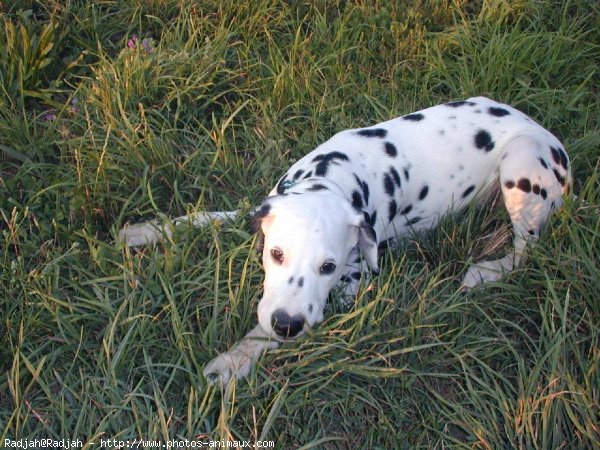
(307, 241)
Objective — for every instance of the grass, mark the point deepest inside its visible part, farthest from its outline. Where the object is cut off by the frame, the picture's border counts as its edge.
(204, 110)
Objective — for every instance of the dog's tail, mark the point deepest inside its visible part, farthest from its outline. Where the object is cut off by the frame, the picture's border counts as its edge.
(148, 233)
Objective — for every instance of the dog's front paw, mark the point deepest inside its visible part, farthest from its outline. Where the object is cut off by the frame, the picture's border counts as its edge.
(227, 365)
(483, 272)
(146, 233)
(238, 361)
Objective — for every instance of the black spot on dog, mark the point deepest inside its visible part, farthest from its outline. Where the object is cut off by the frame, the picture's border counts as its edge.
(323, 161)
(406, 210)
(498, 112)
(560, 157)
(357, 202)
(388, 185)
(310, 308)
(414, 220)
(364, 188)
(536, 189)
(564, 161)
(396, 176)
(460, 103)
(298, 174)
(524, 184)
(406, 173)
(308, 174)
(559, 177)
(468, 191)
(483, 141)
(509, 184)
(423, 192)
(543, 193)
(281, 186)
(373, 132)
(300, 282)
(416, 117)
(355, 275)
(390, 150)
(543, 163)
(317, 187)
(370, 218)
(392, 209)
(531, 232)
(555, 155)
(291, 280)
(345, 279)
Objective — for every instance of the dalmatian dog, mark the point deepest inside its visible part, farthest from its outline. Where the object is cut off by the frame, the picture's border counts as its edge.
(324, 219)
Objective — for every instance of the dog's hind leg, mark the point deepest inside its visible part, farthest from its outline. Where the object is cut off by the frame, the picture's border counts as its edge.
(534, 174)
(148, 233)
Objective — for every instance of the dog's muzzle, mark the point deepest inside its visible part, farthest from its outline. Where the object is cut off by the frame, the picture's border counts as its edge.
(286, 326)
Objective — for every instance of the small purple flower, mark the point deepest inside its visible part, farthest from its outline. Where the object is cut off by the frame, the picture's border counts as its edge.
(148, 45)
(73, 108)
(50, 116)
(131, 43)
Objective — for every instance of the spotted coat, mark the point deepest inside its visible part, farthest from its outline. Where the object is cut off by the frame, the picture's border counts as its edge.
(368, 185)
(405, 173)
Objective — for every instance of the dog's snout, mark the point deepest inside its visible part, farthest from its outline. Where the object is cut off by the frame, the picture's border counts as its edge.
(285, 325)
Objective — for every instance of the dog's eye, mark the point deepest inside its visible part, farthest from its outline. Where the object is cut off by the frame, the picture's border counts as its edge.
(277, 254)
(327, 268)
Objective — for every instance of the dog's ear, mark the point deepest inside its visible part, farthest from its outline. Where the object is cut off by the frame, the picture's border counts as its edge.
(258, 216)
(367, 243)
(367, 238)
(256, 223)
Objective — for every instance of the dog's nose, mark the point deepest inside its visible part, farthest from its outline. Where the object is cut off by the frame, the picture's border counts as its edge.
(285, 325)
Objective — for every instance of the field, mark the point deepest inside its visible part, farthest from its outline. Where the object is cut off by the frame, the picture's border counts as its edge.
(120, 111)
